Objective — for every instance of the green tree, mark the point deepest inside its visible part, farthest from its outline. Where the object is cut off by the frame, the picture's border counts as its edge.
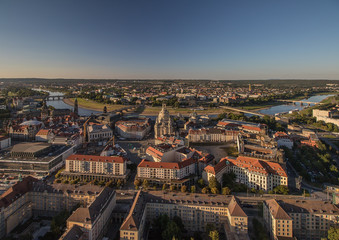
(183, 188)
(172, 187)
(193, 189)
(137, 182)
(215, 190)
(214, 235)
(281, 189)
(145, 184)
(210, 227)
(213, 183)
(119, 183)
(226, 191)
(164, 186)
(205, 190)
(172, 230)
(201, 183)
(333, 233)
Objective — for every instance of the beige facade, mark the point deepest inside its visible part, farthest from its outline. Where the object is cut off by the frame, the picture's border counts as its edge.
(31, 197)
(303, 219)
(93, 219)
(195, 212)
(254, 173)
(212, 135)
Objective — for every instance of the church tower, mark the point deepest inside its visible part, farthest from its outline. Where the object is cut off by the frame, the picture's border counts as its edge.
(44, 111)
(76, 111)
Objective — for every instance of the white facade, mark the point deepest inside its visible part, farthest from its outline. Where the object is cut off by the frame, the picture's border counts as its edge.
(162, 170)
(99, 132)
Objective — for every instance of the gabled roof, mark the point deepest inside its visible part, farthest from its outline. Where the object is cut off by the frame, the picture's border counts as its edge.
(16, 191)
(132, 221)
(235, 209)
(168, 165)
(276, 210)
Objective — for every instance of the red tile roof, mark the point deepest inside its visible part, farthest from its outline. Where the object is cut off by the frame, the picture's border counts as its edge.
(259, 166)
(168, 165)
(93, 158)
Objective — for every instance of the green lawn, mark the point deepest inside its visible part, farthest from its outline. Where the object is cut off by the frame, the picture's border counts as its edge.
(89, 104)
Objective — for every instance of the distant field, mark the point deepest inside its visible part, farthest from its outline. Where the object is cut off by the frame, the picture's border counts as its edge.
(185, 111)
(89, 104)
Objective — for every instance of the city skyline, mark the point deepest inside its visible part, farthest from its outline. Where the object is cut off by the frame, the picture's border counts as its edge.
(169, 40)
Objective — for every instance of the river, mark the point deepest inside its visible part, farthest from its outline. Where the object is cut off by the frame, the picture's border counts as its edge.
(284, 108)
(270, 111)
(59, 104)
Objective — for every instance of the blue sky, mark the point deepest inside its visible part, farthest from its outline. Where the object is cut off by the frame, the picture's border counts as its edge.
(192, 39)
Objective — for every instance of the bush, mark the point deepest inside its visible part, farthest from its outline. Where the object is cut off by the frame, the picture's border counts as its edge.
(226, 191)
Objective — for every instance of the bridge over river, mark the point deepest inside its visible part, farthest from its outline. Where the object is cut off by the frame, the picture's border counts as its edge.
(243, 111)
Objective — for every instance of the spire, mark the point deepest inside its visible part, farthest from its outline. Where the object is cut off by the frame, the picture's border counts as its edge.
(76, 111)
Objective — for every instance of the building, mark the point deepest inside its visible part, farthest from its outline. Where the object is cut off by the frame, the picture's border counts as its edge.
(133, 128)
(246, 127)
(195, 210)
(168, 153)
(164, 124)
(216, 171)
(278, 222)
(93, 220)
(44, 135)
(283, 140)
(99, 132)
(91, 167)
(328, 116)
(31, 197)
(255, 173)
(312, 141)
(303, 219)
(25, 131)
(39, 158)
(5, 142)
(173, 173)
(212, 135)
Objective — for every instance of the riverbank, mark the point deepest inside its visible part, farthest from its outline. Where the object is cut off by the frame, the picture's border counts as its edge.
(154, 111)
(92, 105)
(148, 111)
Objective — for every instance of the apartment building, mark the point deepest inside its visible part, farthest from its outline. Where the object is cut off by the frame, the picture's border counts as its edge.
(90, 167)
(31, 197)
(246, 127)
(195, 210)
(303, 219)
(216, 171)
(279, 223)
(255, 173)
(168, 153)
(93, 220)
(176, 173)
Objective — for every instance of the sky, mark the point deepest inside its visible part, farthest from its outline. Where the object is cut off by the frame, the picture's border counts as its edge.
(170, 39)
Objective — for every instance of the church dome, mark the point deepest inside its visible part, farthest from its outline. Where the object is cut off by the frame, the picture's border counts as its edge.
(31, 123)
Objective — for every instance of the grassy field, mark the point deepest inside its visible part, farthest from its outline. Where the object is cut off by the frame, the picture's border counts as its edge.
(184, 111)
(89, 104)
